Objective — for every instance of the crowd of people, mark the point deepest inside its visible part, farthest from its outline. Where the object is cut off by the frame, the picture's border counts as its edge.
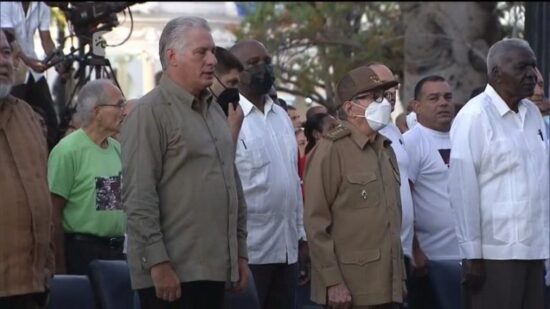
(210, 179)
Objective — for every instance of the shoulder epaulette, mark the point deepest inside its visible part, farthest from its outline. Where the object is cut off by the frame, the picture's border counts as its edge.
(337, 133)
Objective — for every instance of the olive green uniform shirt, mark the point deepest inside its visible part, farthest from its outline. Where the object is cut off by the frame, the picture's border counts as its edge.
(352, 217)
(181, 192)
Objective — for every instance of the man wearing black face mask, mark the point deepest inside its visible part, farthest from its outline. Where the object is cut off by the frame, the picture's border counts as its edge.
(224, 88)
(266, 159)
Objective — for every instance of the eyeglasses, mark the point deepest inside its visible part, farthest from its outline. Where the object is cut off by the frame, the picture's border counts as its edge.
(376, 95)
(389, 95)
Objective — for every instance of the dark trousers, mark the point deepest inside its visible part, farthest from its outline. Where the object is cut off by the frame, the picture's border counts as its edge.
(276, 284)
(194, 295)
(80, 252)
(509, 284)
(445, 278)
(382, 306)
(420, 294)
(25, 301)
(37, 94)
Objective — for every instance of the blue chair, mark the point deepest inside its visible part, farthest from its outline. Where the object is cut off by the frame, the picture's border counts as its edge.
(71, 291)
(248, 299)
(111, 284)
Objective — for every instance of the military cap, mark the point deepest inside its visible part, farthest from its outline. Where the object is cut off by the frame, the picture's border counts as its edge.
(357, 81)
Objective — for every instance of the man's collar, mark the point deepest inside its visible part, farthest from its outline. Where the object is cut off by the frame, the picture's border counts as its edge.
(248, 106)
(499, 103)
(182, 95)
(362, 140)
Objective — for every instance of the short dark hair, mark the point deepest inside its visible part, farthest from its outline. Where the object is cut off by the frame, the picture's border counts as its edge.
(282, 103)
(313, 123)
(290, 107)
(420, 84)
(226, 61)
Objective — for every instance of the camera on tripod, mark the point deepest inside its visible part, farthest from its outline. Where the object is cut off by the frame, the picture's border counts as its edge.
(90, 17)
(89, 20)
(86, 19)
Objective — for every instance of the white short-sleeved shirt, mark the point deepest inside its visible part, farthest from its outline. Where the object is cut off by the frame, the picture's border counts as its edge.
(429, 152)
(24, 26)
(392, 133)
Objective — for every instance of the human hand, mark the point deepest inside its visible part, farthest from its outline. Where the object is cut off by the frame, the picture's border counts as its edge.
(339, 297)
(235, 117)
(35, 64)
(304, 262)
(241, 284)
(473, 274)
(419, 263)
(166, 282)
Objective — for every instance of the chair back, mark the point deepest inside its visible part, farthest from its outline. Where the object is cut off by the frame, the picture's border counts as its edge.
(111, 284)
(70, 292)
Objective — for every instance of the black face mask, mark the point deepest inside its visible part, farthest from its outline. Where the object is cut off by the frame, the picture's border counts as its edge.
(259, 78)
(228, 95)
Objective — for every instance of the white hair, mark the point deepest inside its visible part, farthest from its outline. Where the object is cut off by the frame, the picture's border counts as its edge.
(498, 52)
(91, 95)
(174, 35)
(5, 89)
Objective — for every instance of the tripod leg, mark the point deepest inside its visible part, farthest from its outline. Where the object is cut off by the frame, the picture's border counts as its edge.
(110, 71)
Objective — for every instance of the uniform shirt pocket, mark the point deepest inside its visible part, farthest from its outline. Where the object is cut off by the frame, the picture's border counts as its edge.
(363, 190)
(254, 153)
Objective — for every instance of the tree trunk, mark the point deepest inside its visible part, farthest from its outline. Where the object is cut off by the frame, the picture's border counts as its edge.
(450, 39)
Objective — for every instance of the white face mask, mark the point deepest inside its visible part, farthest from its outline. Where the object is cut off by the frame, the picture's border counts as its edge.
(378, 114)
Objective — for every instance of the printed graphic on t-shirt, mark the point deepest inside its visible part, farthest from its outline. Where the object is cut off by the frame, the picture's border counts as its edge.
(445, 155)
(108, 193)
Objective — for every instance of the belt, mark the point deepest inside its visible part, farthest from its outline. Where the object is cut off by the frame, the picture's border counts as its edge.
(113, 242)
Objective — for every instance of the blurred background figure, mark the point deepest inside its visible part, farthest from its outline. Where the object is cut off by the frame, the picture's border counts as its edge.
(22, 20)
(295, 117)
(316, 126)
(542, 103)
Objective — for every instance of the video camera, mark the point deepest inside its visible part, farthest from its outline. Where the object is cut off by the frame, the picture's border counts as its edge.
(89, 17)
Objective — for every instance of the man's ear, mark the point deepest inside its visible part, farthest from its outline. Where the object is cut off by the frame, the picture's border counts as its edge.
(496, 73)
(413, 105)
(171, 56)
(346, 107)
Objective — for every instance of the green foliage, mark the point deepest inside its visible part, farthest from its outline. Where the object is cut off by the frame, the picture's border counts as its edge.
(315, 43)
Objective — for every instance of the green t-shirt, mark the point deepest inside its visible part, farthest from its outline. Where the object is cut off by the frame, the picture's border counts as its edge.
(89, 178)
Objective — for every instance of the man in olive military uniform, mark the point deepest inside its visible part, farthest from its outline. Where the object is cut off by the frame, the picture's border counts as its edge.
(352, 210)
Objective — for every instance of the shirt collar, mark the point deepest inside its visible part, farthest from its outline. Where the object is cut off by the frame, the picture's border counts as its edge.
(248, 106)
(501, 106)
(362, 140)
(181, 95)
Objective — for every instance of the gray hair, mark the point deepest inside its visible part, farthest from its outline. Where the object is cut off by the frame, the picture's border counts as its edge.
(498, 52)
(341, 113)
(91, 95)
(174, 34)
